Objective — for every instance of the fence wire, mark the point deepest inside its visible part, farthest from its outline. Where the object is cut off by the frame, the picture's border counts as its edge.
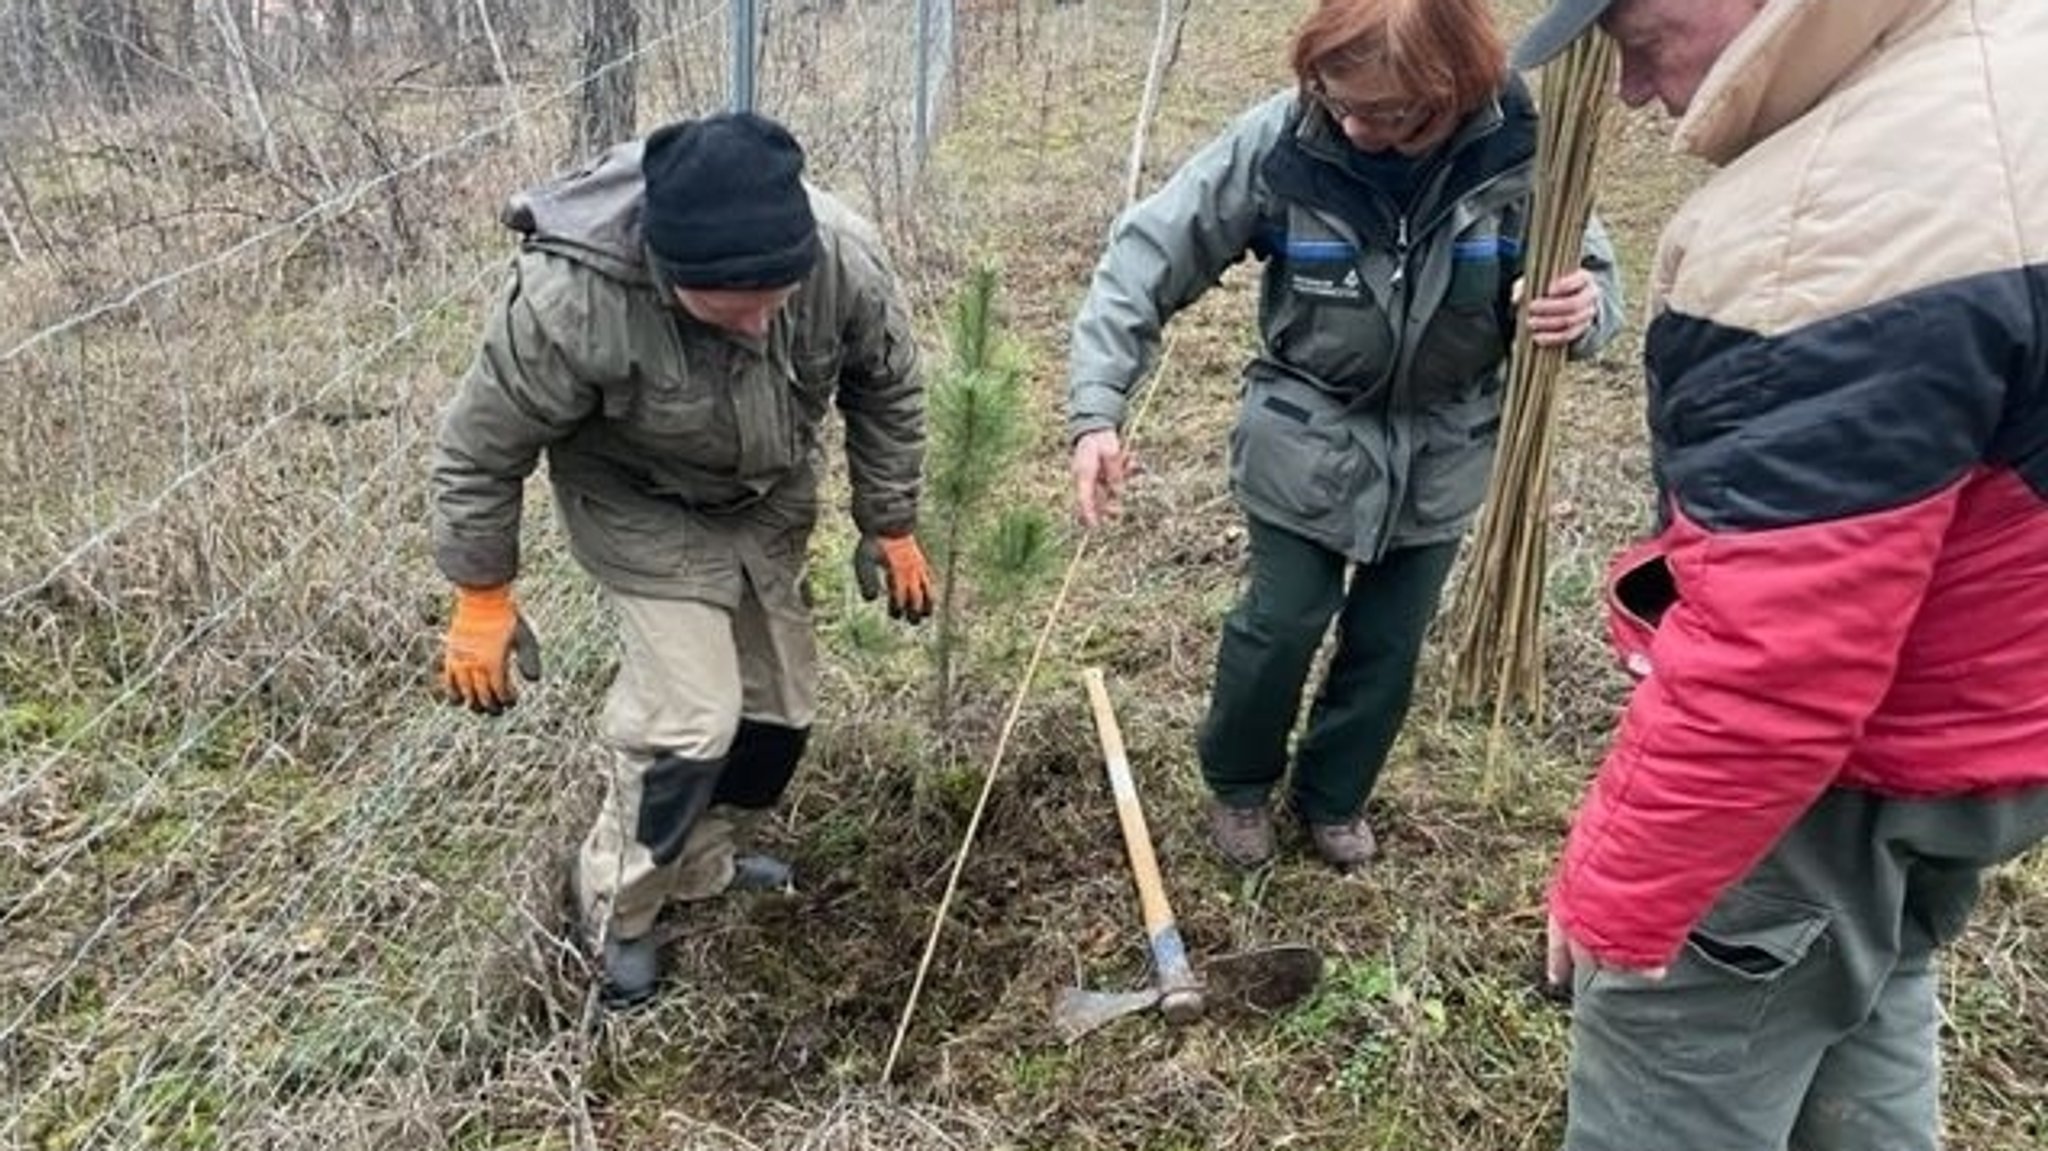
(258, 887)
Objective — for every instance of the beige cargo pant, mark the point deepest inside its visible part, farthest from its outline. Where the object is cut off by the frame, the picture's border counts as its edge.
(688, 672)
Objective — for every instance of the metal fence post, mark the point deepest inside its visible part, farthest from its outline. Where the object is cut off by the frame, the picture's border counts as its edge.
(745, 26)
(944, 31)
(921, 97)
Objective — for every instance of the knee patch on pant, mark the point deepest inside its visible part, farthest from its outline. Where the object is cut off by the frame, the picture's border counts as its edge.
(761, 763)
(673, 793)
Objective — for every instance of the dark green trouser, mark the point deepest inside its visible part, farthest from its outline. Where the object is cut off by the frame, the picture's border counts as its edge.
(1802, 1012)
(1268, 644)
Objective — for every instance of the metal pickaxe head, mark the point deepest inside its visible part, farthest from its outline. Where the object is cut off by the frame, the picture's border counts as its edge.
(1264, 980)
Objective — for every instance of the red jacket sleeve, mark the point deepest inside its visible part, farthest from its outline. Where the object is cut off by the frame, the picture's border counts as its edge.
(1775, 649)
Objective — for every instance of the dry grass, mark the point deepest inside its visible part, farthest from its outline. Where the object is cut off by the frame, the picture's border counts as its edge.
(257, 890)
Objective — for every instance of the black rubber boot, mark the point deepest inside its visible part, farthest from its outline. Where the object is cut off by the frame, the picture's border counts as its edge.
(757, 872)
(632, 971)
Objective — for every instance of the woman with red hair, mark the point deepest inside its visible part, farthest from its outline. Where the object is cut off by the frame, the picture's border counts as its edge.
(1386, 194)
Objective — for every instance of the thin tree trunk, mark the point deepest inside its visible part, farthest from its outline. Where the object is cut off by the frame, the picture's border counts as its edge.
(28, 209)
(95, 46)
(339, 17)
(185, 33)
(238, 65)
(512, 109)
(1173, 16)
(430, 27)
(949, 631)
(607, 114)
(13, 237)
(135, 45)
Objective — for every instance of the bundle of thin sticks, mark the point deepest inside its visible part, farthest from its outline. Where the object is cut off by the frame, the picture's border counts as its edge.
(1497, 611)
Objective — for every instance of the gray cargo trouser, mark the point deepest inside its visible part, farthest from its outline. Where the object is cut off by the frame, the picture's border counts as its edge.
(689, 672)
(1802, 1011)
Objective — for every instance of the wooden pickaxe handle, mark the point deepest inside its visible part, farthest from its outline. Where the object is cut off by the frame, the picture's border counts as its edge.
(1180, 992)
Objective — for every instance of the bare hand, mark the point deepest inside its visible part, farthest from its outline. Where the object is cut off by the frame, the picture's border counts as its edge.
(1567, 311)
(1100, 467)
(1563, 955)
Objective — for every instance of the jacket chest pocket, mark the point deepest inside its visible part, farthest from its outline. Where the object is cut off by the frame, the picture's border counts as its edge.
(674, 408)
(761, 420)
(1326, 283)
(672, 392)
(1323, 317)
(1314, 266)
(1486, 254)
(685, 410)
(1477, 274)
(1467, 336)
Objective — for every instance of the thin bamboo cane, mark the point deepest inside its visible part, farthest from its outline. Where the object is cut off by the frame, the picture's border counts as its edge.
(1499, 602)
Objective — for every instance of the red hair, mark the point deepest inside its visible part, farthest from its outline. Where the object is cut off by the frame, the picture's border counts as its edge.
(1444, 53)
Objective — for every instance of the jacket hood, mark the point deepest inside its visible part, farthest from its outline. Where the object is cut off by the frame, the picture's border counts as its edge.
(591, 215)
(1790, 57)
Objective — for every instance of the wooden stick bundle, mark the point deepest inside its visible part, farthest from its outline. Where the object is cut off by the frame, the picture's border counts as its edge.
(1498, 608)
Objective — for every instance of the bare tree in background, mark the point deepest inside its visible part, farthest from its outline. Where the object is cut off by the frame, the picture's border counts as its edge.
(234, 43)
(339, 18)
(7, 221)
(185, 32)
(434, 27)
(611, 33)
(99, 44)
(1173, 20)
(101, 34)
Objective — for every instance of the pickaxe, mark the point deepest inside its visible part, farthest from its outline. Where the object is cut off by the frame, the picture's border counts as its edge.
(1265, 979)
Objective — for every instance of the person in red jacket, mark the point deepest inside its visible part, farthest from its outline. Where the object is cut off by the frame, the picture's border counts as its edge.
(1841, 623)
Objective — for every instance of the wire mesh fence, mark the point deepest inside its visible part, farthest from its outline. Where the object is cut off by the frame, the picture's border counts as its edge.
(257, 888)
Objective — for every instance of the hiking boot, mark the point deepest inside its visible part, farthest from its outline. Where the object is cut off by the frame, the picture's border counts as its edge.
(1243, 834)
(1344, 845)
(632, 971)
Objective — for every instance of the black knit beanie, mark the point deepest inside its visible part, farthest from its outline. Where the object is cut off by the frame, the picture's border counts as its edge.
(726, 206)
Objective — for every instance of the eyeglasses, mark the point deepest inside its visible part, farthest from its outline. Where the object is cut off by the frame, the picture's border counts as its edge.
(1390, 113)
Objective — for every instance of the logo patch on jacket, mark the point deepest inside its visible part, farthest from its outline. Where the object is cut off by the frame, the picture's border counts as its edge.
(1337, 283)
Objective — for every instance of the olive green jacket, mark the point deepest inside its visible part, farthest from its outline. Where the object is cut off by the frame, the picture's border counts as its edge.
(683, 458)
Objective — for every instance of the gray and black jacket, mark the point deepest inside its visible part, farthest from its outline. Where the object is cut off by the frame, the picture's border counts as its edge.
(1371, 411)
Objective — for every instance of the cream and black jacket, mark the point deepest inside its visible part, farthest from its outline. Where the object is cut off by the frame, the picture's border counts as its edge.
(1848, 404)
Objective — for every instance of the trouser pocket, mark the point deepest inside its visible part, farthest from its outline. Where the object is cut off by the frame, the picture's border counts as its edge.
(1755, 936)
(1705, 1015)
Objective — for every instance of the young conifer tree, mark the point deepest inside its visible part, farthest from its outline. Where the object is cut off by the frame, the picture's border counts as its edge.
(983, 537)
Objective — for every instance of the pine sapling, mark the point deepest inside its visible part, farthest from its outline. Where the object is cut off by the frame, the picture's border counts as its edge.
(978, 430)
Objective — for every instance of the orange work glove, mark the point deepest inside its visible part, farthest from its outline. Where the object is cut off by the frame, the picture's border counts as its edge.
(486, 636)
(900, 561)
